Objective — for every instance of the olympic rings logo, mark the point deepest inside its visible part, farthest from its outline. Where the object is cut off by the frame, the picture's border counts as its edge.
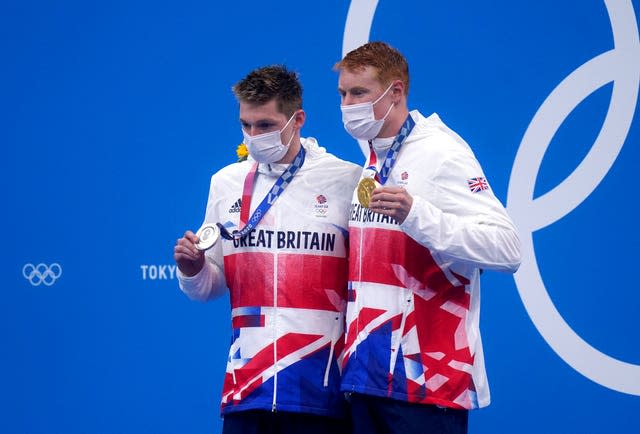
(42, 273)
(620, 65)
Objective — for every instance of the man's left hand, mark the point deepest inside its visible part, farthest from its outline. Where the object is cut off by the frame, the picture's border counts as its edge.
(392, 201)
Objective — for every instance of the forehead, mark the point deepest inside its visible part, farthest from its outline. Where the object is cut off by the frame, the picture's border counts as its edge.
(253, 112)
(367, 78)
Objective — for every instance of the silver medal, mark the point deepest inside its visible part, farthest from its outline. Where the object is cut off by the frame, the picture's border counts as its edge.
(207, 236)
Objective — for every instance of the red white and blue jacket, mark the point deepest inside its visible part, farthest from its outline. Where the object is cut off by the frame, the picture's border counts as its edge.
(288, 285)
(414, 288)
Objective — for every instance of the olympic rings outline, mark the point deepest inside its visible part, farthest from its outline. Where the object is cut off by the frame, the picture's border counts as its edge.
(42, 273)
(621, 65)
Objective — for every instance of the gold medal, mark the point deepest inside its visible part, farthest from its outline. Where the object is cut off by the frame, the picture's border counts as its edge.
(365, 190)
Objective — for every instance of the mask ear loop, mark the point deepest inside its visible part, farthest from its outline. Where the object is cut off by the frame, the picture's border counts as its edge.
(380, 97)
(383, 94)
(293, 133)
(393, 104)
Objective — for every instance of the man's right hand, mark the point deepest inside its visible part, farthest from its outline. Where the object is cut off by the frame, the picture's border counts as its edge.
(189, 259)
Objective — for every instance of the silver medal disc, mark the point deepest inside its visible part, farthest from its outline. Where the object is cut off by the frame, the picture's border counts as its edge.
(207, 236)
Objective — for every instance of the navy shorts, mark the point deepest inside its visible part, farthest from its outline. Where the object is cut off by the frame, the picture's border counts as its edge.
(267, 422)
(375, 415)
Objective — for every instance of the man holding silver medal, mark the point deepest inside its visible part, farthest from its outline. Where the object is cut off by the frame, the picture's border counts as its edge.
(275, 234)
(424, 223)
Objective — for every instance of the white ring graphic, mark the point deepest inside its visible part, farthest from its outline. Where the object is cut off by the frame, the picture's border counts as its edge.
(42, 273)
(358, 25)
(620, 65)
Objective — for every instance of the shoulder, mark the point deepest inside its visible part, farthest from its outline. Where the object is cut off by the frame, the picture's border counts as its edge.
(432, 140)
(340, 164)
(320, 158)
(231, 173)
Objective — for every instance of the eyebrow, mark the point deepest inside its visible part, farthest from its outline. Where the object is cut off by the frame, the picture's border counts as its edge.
(265, 120)
(352, 89)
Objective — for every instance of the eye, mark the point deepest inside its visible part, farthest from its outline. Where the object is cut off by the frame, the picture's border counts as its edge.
(264, 125)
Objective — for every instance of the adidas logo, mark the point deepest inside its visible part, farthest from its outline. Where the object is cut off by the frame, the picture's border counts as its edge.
(236, 206)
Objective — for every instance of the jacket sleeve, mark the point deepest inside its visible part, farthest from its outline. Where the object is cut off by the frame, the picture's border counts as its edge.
(210, 282)
(449, 218)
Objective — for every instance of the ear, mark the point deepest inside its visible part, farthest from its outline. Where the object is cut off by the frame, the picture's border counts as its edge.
(299, 120)
(397, 90)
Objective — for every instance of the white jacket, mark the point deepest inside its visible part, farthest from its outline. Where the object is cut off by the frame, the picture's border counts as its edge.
(414, 302)
(287, 282)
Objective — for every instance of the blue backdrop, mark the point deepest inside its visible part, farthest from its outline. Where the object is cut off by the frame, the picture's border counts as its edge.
(115, 114)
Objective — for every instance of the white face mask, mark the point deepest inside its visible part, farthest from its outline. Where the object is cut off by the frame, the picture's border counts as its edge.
(359, 119)
(268, 147)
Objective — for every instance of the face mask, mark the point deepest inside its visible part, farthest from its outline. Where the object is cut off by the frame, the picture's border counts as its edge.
(268, 147)
(360, 121)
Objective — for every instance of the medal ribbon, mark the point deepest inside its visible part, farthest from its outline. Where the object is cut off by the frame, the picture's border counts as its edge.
(392, 154)
(275, 192)
(247, 191)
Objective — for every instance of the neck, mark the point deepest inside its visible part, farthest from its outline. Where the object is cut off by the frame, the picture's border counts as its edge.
(394, 122)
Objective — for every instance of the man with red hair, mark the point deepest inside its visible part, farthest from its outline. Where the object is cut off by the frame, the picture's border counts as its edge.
(424, 223)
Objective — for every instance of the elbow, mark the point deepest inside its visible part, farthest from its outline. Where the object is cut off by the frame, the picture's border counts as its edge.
(512, 252)
(206, 285)
(205, 293)
(513, 265)
(194, 294)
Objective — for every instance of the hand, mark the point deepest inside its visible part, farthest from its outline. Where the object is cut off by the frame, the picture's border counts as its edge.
(392, 201)
(189, 259)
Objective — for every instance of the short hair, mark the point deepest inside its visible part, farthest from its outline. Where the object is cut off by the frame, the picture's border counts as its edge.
(271, 82)
(389, 63)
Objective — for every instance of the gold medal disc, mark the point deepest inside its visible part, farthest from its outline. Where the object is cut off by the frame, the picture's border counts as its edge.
(365, 190)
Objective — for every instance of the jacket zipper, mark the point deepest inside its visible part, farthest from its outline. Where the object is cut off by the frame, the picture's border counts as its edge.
(396, 344)
(328, 368)
(356, 301)
(275, 331)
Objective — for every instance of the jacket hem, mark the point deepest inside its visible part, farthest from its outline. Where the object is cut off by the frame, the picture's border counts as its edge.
(291, 408)
(399, 396)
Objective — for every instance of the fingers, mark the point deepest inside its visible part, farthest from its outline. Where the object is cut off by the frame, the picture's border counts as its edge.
(389, 195)
(391, 190)
(386, 198)
(185, 247)
(395, 202)
(183, 252)
(381, 205)
(191, 237)
(189, 259)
